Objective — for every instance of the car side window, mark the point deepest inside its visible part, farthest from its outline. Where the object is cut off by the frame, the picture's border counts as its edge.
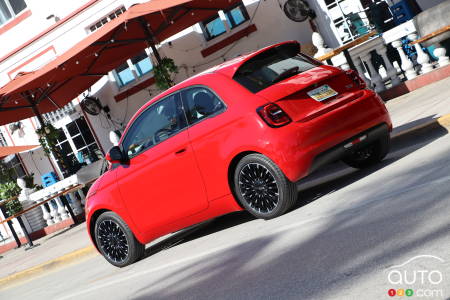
(156, 124)
(200, 103)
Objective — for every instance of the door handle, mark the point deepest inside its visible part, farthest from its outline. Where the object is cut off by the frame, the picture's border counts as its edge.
(181, 151)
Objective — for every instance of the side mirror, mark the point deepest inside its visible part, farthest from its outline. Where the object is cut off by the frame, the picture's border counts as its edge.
(115, 155)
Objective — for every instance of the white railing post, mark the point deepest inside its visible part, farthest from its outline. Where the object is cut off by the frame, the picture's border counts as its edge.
(360, 67)
(376, 78)
(61, 209)
(82, 196)
(75, 204)
(391, 71)
(439, 52)
(422, 57)
(54, 213)
(46, 216)
(407, 65)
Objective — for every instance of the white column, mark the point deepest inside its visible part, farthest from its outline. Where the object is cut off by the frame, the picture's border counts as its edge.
(422, 57)
(439, 52)
(407, 65)
(61, 209)
(391, 71)
(374, 75)
(77, 209)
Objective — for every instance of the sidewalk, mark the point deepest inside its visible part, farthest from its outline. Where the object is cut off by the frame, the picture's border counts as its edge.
(57, 245)
(409, 112)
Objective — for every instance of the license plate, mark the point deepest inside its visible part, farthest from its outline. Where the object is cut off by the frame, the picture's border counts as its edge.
(322, 93)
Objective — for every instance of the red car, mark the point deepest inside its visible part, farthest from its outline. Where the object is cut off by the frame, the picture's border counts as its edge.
(238, 136)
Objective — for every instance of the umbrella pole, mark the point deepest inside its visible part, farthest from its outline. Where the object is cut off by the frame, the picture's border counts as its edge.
(153, 46)
(38, 115)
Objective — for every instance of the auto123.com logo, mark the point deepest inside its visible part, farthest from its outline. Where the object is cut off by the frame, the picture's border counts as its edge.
(422, 276)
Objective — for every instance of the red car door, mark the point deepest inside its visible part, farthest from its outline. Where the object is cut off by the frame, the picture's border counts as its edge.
(162, 182)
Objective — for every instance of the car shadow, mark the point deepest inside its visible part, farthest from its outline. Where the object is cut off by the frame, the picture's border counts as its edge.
(328, 180)
(198, 231)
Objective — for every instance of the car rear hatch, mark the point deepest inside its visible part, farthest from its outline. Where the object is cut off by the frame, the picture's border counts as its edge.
(303, 87)
(313, 93)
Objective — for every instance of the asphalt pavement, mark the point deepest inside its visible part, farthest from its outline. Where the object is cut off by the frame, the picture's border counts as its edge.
(342, 240)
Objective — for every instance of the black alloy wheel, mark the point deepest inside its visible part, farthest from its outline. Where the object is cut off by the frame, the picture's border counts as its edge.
(115, 240)
(262, 188)
(258, 187)
(370, 154)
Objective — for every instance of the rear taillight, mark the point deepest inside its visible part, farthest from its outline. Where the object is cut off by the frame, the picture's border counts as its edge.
(273, 115)
(354, 76)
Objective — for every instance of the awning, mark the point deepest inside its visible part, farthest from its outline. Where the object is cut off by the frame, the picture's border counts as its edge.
(73, 72)
(5, 151)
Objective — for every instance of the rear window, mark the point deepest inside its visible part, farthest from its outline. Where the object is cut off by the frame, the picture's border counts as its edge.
(272, 66)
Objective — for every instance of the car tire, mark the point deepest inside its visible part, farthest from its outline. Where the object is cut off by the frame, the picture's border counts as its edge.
(116, 242)
(370, 154)
(262, 188)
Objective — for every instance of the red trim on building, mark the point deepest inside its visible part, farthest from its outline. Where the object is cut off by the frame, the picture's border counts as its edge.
(229, 40)
(15, 21)
(133, 90)
(57, 24)
(30, 60)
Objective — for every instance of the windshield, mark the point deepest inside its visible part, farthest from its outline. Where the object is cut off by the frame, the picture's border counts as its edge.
(272, 66)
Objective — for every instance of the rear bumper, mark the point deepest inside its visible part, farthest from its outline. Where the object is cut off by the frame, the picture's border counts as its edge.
(301, 147)
(345, 148)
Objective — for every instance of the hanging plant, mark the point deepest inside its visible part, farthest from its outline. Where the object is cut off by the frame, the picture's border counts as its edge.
(163, 72)
(48, 137)
(9, 190)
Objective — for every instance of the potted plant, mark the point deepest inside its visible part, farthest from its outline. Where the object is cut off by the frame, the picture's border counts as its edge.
(7, 191)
